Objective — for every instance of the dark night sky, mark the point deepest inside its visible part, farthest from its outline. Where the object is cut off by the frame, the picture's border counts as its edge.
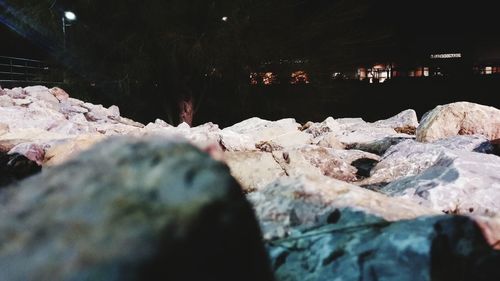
(418, 24)
(12, 44)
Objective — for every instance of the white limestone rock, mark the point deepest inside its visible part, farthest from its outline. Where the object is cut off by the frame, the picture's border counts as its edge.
(404, 120)
(461, 118)
(459, 182)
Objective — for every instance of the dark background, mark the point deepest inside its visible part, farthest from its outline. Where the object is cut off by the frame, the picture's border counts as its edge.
(387, 31)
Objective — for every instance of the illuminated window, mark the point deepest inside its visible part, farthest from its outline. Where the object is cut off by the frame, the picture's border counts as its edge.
(299, 77)
(254, 78)
(362, 73)
(488, 70)
(426, 71)
(269, 78)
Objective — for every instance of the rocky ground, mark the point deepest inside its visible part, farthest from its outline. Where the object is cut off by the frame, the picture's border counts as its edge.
(341, 199)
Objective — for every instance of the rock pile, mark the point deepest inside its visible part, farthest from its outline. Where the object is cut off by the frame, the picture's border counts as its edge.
(342, 199)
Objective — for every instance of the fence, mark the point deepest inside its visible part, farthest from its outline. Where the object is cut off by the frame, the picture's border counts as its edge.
(17, 72)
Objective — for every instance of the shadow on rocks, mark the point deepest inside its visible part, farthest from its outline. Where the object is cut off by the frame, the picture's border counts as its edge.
(15, 167)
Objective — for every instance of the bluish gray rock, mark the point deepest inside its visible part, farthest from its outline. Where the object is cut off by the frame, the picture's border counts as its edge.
(355, 246)
(131, 209)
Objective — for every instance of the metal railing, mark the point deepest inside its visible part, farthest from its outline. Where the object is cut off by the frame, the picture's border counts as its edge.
(22, 71)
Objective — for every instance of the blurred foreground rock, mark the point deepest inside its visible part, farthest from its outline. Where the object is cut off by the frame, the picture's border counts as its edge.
(131, 210)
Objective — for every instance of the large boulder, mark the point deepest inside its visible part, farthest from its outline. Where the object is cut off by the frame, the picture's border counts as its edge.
(461, 118)
(296, 203)
(131, 210)
(459, 182)
(355, 246)
(256, 169)
(42, 94)
(283, 133)
(410, 158)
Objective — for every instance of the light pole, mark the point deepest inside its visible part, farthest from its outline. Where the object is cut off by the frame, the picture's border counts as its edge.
(67, 18)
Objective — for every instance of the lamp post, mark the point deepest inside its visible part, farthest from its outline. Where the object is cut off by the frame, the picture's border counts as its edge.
(67, 18)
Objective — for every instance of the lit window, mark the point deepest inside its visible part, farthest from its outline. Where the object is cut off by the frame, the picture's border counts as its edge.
(269, 78)
(488, 70)
(254, 78)
(299, 77)
(426, 71)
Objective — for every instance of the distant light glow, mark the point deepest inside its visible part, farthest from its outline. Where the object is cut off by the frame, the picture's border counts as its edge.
(269, 78)
(224, 18)
(70, 15)
(299, 77)
(446, 56)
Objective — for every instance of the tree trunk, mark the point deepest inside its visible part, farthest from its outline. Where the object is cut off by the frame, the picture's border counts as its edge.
(186, 110)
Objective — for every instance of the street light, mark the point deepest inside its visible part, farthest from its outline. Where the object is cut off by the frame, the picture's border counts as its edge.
(67, 18)
(69, 15)
(224, 18)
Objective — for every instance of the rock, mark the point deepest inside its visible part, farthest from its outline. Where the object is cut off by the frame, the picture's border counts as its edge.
(42, 94)
(64, 150)
(283, 133)
(232, 141)
(128, 122)
(4, 128)
(59, 93)
(31, 151)
(15, 167)
(314, 160)
(477, 143)
(6, 101)
(356, 246)
(291, 204)
(113, 111)
(320, 129)
(23, 102)
(131, 210)
(409, 158)
(68, 109)
(329, 140)
(404, 159)
(347, 122)
(459, 182)
(75, 102)
(461, 118)
(265, 129)
(403, 122)
(34, 116)
(183, 126)
(99, 112)
(379, 146)
(253, 170)
(365, 133)
(15, 93)
(158, 124)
